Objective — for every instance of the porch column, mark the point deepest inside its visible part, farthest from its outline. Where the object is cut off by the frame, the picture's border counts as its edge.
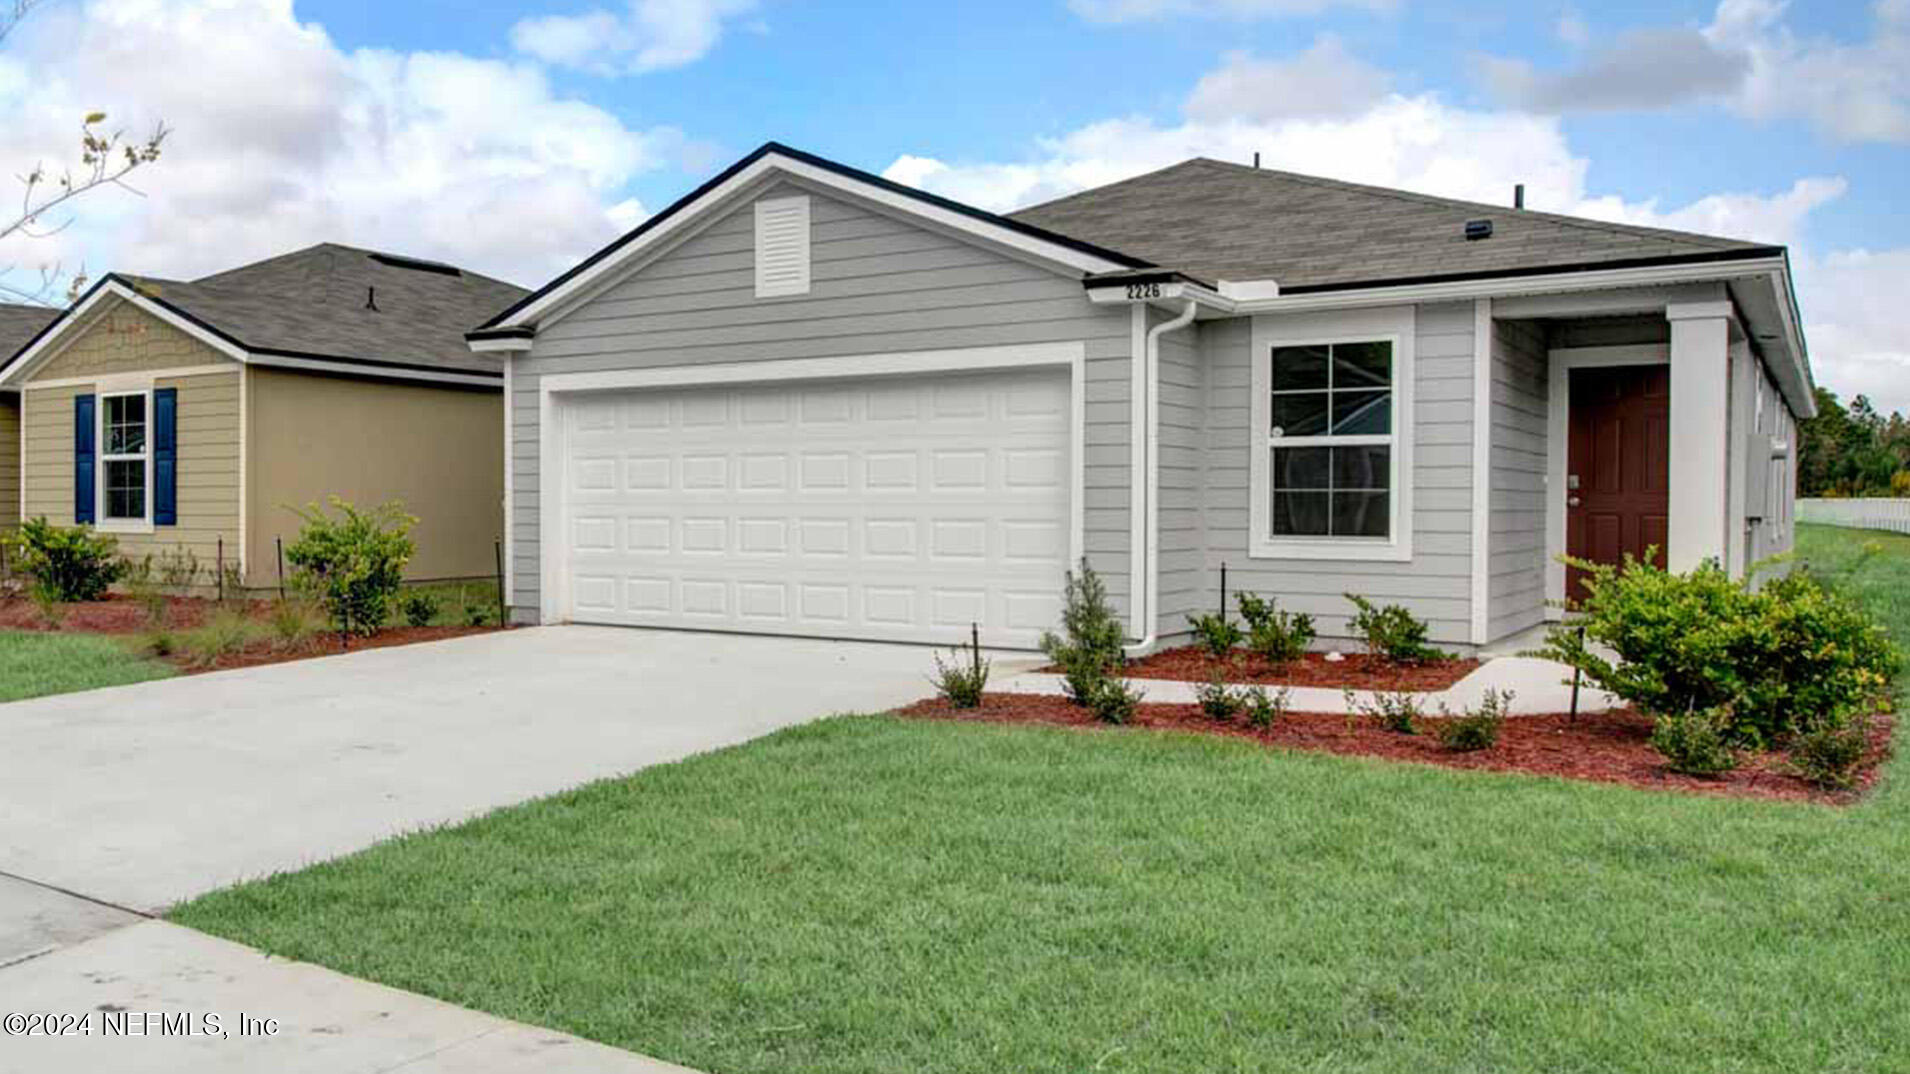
(1700, 404)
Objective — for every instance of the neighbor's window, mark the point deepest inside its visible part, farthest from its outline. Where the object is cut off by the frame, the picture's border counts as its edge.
(1331, 440)
(124, 457)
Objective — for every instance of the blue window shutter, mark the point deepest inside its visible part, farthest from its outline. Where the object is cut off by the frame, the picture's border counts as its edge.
(84, 459)
(165, 457)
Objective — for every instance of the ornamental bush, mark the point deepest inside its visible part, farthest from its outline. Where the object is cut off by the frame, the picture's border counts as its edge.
(352, 564)
(1088, 649)
(1215, 633)
(1775, 661)
(1275, 636)
(1393, 633)
(66, 563)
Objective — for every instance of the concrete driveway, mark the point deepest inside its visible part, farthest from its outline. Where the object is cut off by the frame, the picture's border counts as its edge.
(142, 796)
(115, 804)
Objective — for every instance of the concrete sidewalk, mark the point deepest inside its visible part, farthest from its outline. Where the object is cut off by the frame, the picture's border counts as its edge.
(1538, 686)
(326, 1023)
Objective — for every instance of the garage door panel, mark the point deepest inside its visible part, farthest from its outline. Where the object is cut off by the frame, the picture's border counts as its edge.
(900, 508)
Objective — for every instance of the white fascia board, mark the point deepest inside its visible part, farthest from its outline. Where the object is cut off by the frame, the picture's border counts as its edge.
(1122, 293)
(383, 372)
(1510, 286)
(775, 162)
(79, 319)
(502, 345)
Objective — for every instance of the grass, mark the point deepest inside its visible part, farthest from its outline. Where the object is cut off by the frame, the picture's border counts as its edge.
(35, 665)
(867, 895)
(453, 598)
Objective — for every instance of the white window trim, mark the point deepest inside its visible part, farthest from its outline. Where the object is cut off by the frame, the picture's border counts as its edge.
(101, 523)
(1392, 325)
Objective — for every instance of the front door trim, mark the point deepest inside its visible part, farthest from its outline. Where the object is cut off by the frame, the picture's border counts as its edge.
(1561, 361)
(553, 389)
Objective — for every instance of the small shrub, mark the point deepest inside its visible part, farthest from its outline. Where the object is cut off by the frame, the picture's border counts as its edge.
(1696, 742)
(353, 564)
(177, 571)
(1266, 709)
(1398, 712)
(143, 585)
(1114, 700)
(963, 678)
(476, 614)
(1088, 649)
(1216, 633)
(1477, 730)
(231, 582)
(226, 631)
(47, 602)
(1393, 633)
(1828, 754)
(293, 621)
(1275, 636)
(72, 563)
(1220, 701)
(420, 608)
(159, 641)
(1778, 660)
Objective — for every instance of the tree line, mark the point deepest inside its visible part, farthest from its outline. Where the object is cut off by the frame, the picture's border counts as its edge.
(1852, 450)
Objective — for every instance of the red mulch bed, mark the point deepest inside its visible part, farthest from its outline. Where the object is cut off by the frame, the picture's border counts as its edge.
(1609, 747)
(326, 644)
(1358, 671)
(121, 615)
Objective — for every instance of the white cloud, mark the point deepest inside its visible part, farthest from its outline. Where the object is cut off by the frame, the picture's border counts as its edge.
(282, 140)
(1572, 30)
(1854, 92)
(1322, 81)
(1853, 312)
(1649, 68)
(1146, 10)
(653, 35)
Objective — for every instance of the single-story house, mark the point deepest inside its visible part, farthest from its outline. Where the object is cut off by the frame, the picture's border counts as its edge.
(193, 415)
(808, 400)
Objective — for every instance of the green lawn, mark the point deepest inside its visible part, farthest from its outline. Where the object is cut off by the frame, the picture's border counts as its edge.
(34, 665)
(873, 895)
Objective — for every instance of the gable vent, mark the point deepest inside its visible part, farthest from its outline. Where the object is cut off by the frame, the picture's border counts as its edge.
(782, 247)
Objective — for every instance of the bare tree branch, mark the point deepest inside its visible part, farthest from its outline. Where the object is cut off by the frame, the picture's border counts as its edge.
(11, 12)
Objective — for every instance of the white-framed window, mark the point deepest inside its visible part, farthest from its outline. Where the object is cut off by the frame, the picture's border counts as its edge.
(1330, 437)
(124, 482)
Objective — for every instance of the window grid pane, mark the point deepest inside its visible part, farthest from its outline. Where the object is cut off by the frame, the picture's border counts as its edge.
(1325, 392)
(1331, 491)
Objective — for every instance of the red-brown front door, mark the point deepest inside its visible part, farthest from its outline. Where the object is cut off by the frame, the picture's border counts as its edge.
(1618, 465)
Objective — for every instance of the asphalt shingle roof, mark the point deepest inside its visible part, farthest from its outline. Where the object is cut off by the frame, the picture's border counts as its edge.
(1218, 221)
(319, 302)
(18, 326)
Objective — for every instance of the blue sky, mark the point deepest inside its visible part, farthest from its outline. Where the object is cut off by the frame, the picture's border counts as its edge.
(515, 137)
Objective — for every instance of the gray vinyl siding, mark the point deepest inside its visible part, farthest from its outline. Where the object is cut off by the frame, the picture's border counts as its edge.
(1183, 534)
(1436, 584)
(1520, 390)
(880, 284)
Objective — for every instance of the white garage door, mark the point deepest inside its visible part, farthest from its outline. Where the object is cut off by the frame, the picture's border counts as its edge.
(895, 508)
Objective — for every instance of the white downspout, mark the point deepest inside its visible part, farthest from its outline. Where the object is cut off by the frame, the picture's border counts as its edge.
(1147, 591)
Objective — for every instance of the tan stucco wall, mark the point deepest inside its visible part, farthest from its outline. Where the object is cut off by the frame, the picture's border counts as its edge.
(439, 450)
(9, 459)
(208, 483)
(127, 339)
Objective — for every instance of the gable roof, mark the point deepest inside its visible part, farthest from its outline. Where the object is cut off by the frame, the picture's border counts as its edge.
(1086, 255)
(18, 326)
(330, 303)
(1219, 221)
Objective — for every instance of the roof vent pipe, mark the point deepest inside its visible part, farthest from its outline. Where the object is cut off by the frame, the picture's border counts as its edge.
(371, 298)
(1256, 162)
(1518, 195)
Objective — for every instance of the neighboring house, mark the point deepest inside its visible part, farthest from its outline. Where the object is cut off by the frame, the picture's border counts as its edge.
(807, 400)
(18, 326)
(193, 415)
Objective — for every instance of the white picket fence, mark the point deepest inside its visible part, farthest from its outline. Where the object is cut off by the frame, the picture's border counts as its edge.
(1878, 513)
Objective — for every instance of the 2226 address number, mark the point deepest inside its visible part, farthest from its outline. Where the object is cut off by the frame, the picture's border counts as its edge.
(1137, 291)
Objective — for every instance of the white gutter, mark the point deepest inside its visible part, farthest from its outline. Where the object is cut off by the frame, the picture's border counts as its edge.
(1145, 593)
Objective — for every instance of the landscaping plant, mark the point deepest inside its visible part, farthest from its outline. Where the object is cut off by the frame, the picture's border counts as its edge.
(1775, 660)
(1088, 649)
(1393, 633)
(1395, 711)
(226, 631)
(1275, 636)
(1215, 633)
(1476, 730)
(177, 571)
(1828, 753)
(963, 678)
(1696, 742)
(420, 608)
(72, 563)
(353, 564)
(144, 586)
(293, 620)
(1266, 709)
(1220, 701)
(1113, 700)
